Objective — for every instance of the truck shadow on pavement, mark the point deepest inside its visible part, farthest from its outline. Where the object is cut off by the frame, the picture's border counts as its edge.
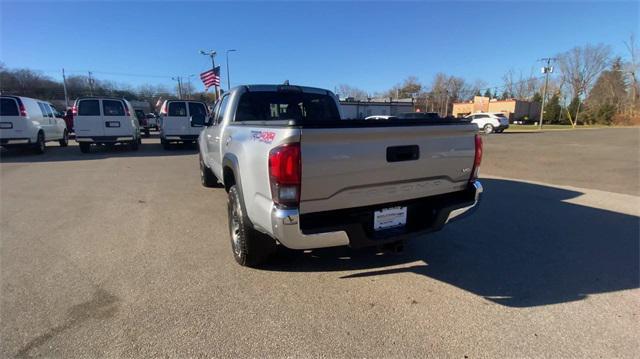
(524, 247)
(55, 153)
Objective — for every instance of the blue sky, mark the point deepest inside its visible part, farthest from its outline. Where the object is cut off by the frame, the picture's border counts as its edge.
(369, 45)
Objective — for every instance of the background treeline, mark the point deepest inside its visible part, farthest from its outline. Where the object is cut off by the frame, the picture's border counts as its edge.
(589, 85)
(30, 83)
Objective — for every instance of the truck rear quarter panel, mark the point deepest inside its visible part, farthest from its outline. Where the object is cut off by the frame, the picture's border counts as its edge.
(251, 146)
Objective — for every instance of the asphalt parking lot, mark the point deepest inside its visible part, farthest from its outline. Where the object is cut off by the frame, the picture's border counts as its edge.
(124, 254)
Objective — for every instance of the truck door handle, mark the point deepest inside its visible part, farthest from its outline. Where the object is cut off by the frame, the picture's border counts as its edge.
(217, 138)
(403, 153)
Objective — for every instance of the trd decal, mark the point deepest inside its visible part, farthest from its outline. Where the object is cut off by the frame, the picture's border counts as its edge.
(263, 136)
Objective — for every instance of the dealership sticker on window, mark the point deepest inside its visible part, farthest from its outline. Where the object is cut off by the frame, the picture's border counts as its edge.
(263, 136)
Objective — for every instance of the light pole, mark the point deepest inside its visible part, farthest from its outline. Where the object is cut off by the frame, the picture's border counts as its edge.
(546, 71)
(179, 86)
(212, 54)
(228, 78)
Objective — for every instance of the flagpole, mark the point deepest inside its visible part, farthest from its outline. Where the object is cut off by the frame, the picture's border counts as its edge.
(212, 54)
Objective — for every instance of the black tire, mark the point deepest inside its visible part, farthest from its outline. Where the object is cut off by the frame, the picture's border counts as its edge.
(488, 128)
(40, 145)
(85, 147)
(135, 144)
(64, 142)
(207, 178)
(165, 144)
(250, 248)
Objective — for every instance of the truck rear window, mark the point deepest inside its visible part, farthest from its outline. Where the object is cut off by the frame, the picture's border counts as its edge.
(8, 107)
(112, 108)
(89, 108)
(276, 105)
(178, 109)
(197, 109)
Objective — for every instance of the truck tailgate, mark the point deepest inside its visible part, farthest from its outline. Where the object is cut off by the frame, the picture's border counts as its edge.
(353, 167)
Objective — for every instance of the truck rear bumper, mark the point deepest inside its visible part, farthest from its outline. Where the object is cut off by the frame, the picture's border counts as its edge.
(14, 141)
(104, 139)
(180, 137)
(353, 227)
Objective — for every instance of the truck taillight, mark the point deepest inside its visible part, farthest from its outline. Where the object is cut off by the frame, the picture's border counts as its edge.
(477, 158)
(126, 110)
(285, 171)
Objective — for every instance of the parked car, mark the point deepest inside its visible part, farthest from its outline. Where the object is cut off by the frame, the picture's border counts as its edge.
(142, 119)
(420, 116)
(489, 122)
(105, 120)
(299, 176)
(175, 124)
(380, 117)
(30, 122)
(152, 121)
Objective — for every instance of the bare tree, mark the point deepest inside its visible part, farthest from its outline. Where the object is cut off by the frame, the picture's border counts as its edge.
(344, 90)
(580, 66)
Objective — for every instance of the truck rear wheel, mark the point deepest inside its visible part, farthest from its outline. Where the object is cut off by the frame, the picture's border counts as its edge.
(85, 147)
(165, 144)
(250, 247)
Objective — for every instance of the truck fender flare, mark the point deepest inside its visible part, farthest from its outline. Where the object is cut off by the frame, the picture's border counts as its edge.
(230, 161)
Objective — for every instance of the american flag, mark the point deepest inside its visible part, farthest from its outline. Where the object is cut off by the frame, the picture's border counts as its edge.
(211, 77)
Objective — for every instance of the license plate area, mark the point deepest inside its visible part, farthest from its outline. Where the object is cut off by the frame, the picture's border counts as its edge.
(6, 125)
(387, 218)
(112, 123)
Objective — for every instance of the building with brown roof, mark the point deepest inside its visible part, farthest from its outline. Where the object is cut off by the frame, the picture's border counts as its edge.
(512, 108)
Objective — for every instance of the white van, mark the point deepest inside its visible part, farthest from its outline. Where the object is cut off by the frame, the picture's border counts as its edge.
(175, 123)
(26, 121)
(104, 120)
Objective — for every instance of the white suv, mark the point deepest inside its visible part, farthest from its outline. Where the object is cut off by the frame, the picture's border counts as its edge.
(490, 122)
(26, 121)
(104, 120)
(175, 121)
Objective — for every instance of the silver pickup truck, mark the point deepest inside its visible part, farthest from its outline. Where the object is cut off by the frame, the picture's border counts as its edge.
(299, 176)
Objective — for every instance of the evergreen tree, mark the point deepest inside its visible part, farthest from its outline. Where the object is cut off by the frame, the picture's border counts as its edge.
(607, 95)
(487, 93)
(552, 109)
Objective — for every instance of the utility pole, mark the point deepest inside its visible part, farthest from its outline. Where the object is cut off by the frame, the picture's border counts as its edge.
(64, 85)
(177, 78)
(546, 71)
(229, 77)
(90, 83)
